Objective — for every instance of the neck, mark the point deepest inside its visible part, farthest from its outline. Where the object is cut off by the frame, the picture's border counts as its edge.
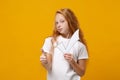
(66, 35)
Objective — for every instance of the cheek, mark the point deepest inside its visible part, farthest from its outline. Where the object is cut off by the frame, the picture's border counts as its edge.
(66, 26)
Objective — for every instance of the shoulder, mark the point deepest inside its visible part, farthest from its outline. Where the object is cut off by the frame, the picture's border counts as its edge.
(48, 38)
(80, 44)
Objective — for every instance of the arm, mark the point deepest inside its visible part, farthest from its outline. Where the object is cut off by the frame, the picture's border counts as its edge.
(46, 60)
(79, 66)
(47, 50)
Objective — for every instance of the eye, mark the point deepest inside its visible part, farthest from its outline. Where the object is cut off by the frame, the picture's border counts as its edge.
(62, 21)
(56, 22)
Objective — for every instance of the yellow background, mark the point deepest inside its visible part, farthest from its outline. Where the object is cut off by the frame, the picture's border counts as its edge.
(24, 24)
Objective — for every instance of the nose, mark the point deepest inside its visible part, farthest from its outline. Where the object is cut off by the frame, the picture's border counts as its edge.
(58, 25)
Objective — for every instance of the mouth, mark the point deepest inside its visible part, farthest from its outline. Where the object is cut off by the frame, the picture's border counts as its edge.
(59, 29)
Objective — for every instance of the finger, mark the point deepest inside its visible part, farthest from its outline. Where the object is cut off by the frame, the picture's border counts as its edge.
(43, 51)
(42, 56)
(67, 56)
(43, 59)
(44, 62)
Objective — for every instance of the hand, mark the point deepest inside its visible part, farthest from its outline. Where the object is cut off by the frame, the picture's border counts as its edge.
(43, 57)
(69, 57)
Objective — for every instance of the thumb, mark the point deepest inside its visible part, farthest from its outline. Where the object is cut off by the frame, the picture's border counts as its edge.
(43, 52)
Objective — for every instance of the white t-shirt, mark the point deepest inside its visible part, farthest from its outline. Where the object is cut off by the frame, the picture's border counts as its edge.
(61, 69)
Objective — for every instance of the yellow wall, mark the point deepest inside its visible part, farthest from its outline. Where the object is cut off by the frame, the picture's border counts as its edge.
(24, 24)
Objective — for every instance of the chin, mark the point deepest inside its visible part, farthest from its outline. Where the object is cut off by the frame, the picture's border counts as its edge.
(61, 33)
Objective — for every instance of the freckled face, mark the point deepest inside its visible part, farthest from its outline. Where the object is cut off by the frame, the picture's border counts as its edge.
(61, 24)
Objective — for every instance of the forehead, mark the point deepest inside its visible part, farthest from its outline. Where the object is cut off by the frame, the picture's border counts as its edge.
(59, 16)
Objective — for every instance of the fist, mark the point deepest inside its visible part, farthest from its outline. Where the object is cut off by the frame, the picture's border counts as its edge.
(68, 57)
(43, 58)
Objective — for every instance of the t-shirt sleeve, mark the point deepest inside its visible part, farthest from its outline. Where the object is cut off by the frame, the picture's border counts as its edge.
(47, 45)
(82, 52)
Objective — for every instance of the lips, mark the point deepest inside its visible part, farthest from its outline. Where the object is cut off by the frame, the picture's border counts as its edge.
(59, 29)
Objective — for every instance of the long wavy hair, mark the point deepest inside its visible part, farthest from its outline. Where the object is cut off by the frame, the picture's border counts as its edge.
(72, 23)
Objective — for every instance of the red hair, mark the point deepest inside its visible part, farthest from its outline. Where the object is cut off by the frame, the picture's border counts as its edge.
(72, 23)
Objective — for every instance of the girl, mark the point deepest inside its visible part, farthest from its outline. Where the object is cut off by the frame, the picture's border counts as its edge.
(61, 65)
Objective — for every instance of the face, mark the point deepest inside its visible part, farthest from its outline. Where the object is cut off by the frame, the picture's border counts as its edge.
(61, 24)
